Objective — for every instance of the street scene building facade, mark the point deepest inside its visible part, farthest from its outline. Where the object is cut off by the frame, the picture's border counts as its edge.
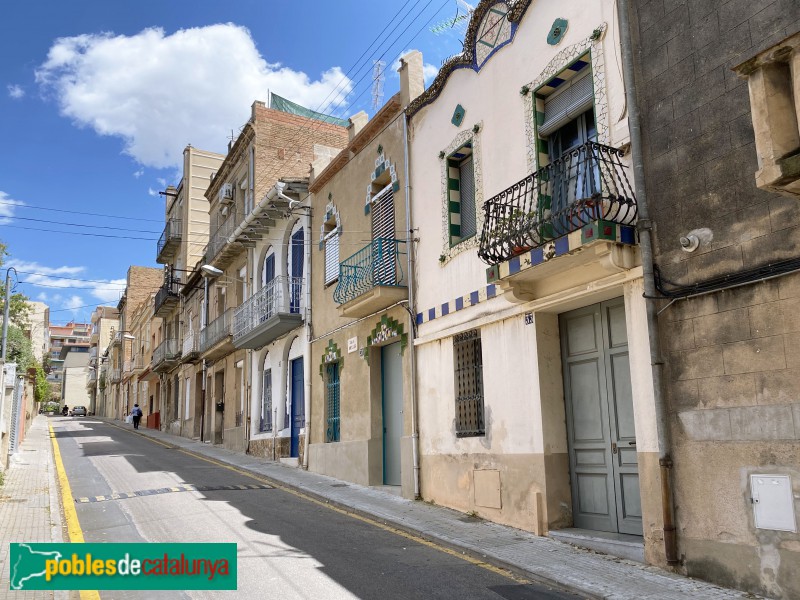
(554, 290)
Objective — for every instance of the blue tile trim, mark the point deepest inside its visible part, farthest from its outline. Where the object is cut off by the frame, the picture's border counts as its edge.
(419, 318)
(537, 256)
(473, 298)
(459, 303)
(431, 314)
(491, 291)
(562, 245)
(627, 235)
(513, 265)
(445, 308)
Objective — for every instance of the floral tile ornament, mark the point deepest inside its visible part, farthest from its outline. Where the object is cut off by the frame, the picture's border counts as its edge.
(386, 329)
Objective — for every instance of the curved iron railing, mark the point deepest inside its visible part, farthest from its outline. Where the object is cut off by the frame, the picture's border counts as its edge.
(377, 263)
(586, 184)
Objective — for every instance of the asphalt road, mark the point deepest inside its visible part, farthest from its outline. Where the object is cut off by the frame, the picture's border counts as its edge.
(288, 547)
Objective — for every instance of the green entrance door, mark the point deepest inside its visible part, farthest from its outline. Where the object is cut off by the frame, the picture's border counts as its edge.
(600, 426)
(392, 391)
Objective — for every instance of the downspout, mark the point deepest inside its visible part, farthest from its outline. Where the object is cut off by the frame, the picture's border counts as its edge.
(644, 226)
(411, 312)
(307, 327)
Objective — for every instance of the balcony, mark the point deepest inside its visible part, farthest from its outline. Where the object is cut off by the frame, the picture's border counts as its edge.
(269, 313)
(114, 375)
(167, 299)
(169, 241)
(166, 356)
(191, 347)
(93, 356)
(570, 223)
(139, 363)
(372, 279)
(215, 338)
(585, 186)
(127, 368)
(91, 379)
(220, 250)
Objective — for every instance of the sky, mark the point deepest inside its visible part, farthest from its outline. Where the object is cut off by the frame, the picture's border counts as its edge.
(98, 98)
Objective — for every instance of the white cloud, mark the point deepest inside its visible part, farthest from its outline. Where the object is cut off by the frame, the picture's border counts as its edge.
(152, 192)
(7, 207)
(35, 274)
(162, 182)
(138, 173)
(42, 297)
(117, 85)
(74, 303)
(15, 91)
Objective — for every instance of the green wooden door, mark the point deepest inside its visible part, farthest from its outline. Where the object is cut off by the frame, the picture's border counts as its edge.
(600, 424)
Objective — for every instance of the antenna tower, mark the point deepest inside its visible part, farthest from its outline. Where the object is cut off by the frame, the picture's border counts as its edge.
(377, 83)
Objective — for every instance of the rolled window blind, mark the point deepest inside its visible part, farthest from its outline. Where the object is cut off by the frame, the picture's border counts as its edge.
(562, 106)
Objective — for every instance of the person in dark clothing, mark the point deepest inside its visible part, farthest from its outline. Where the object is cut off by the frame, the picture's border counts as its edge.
(136, 413)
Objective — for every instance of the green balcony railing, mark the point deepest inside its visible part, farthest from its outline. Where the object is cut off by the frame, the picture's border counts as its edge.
(376, 264)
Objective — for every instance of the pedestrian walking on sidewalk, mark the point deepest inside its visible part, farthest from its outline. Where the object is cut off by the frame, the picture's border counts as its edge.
(136, 413)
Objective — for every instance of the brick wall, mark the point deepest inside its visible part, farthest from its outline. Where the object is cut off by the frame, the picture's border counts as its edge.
(285, 143)
(733, 362)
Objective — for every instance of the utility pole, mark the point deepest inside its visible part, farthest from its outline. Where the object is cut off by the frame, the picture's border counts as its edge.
(5, 311)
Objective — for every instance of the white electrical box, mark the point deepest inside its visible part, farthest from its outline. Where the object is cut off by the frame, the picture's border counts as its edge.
(773, 502)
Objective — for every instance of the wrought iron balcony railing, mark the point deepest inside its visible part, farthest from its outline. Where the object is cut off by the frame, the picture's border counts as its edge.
(220, 237)
(216, 331)
(169, 240)
(166, 298)
(281, 295)
(586, 184)
(166, 351)
(114, 375)
(376, 264)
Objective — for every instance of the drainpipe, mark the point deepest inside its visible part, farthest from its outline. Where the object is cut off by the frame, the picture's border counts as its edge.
(307, 327)
(644, 227)
(412, 308)
(203, 325)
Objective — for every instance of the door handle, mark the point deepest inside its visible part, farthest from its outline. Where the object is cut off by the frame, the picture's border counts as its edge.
(613, 447)
(631, 443)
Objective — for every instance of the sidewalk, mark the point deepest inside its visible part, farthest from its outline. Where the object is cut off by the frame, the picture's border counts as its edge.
(539, 558)
(30, 509)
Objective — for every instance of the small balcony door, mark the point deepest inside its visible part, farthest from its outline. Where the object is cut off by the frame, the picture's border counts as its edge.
(296, 265)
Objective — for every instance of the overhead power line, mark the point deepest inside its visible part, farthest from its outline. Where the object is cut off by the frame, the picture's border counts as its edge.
(105, 235)
(15, 217)
(77, 212)
(69, 278)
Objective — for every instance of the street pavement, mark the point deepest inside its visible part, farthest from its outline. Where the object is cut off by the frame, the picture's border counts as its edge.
(300, 534)
(29, 504)
(289, 546)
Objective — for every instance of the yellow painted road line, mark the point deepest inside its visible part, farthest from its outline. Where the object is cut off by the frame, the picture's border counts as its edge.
(386, 527)
(70, 514)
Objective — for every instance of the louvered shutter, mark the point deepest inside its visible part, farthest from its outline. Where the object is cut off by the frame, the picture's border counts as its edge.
(332, 256)
(562, 106)
(467, 185)
(383, 250)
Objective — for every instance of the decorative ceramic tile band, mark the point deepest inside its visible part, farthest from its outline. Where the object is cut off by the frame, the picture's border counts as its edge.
(596, 230)
(331, 354)
(471, 299)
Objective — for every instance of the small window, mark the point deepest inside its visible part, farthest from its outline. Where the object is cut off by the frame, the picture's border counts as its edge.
(461, 194)
(468, 363)
(332, 402)
(773, 84)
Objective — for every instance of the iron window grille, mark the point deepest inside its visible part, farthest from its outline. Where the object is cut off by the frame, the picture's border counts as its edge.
(332, 395)
(468, 361)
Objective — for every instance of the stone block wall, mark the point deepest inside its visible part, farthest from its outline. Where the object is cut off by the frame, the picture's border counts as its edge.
(732, 358)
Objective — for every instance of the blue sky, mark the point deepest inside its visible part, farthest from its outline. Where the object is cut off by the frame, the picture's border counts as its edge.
(99, 98)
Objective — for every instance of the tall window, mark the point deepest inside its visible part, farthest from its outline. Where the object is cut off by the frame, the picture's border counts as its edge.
(468, 365)
(266, 402)
(461, 194)
(332, 402)
(331, 242)
(383, 250)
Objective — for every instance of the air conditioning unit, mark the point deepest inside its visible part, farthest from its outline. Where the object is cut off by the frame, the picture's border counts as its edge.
(226, 193)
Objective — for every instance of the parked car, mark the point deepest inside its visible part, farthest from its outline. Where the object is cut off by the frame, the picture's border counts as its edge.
(78, 411)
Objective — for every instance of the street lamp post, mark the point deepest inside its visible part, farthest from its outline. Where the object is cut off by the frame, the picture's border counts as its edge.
(6, 311)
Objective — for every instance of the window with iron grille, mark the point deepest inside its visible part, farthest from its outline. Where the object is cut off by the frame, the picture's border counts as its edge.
(332, 398)
(468, 364)
(266, 402)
